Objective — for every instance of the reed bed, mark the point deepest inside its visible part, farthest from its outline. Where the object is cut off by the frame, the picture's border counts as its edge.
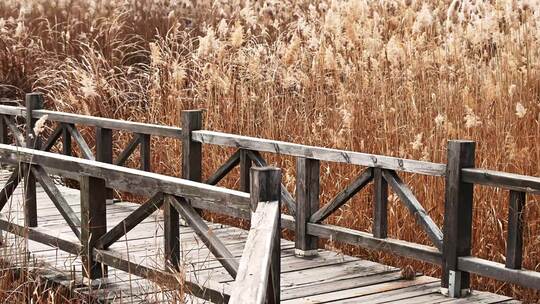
(397, 77)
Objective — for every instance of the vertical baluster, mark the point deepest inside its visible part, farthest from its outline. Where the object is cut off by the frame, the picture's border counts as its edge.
(514, 244)
(457, 217)
(145, 152)
(104, 151)
(93, 223)
(265, 184)
(307, 203)
(245, 165)
(4, 138)
(66, 140)
(380, 218)
(34, 101)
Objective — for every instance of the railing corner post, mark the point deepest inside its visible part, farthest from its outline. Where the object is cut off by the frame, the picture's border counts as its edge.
(457, 230)
(34, 101)
(307, 203)
(265, 184)
(93, 223)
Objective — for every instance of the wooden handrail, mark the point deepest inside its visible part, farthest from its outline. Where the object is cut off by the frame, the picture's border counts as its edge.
(257, 280)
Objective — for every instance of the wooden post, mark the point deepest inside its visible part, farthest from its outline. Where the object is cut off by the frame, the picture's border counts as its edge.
(307, 203)
(145, 152)
(514, 243)
(380, 206)
(245, 165)
(171, 235)
(457, 217)
(66, 140)
(265, 185)
(104, 150)
(191, 150)
(192, 120)
(4, 138)
(93, 223)
(34, 101)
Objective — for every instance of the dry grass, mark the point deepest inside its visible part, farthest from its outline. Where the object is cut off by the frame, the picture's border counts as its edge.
(388, 77)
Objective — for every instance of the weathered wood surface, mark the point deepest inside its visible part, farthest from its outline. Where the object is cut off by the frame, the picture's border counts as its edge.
(325, 154)
(254, 273)
(115, 124)
(328, 277)
(505, 180)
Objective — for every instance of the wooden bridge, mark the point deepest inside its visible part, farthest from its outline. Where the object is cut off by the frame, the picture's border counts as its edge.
(130, 252)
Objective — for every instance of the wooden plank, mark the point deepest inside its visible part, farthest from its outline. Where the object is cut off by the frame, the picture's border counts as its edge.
(108, 123)
(458, 209)
(51, 140)
(286, 196)
(94, 223)
(57, 198)
(83, 146)
(12, 110)
(514, 243)
(343, 196)
(126, 153)
(10, 186)
(394, 294)
(121, 178)
(510, 181)
(365, 240)
(224, 169)
(498, 271)
(132, 220)
(380, 205)
(215, 246)
(353, 288)
(146, 157)
(406, 196)
(254, 271)
(324, 154)
(307, 203)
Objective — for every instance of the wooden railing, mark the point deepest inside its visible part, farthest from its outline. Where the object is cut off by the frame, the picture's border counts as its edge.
(451, 245)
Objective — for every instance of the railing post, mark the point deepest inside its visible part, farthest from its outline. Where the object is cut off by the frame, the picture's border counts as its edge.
(191, 151)
(457, 217)
(93, 223)
(307, 203)
(145, 152)
(265, 184)
(514, 240)
(104, 150)
(245, 166)
(34, 101)
(380, 206)
(66, 140)
(171, 235)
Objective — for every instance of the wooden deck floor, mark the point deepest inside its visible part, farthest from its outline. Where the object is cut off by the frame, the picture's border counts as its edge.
(327, 278)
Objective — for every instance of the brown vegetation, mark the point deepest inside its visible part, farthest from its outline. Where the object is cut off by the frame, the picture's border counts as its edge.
(387, 77)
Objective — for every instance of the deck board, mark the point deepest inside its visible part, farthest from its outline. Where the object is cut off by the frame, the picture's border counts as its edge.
(329, 277)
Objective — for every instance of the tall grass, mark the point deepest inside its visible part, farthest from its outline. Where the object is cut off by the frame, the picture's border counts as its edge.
(387, 77)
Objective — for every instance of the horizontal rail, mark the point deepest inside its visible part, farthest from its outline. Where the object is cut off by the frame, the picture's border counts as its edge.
(252, 280)
(500, 179)
(109, 123)
(324, 154)
(122, 178)
(209, 290)
(526, 278)
(363, 239)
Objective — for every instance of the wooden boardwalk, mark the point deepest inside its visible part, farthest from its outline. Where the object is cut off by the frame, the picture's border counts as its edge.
(327, 278)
